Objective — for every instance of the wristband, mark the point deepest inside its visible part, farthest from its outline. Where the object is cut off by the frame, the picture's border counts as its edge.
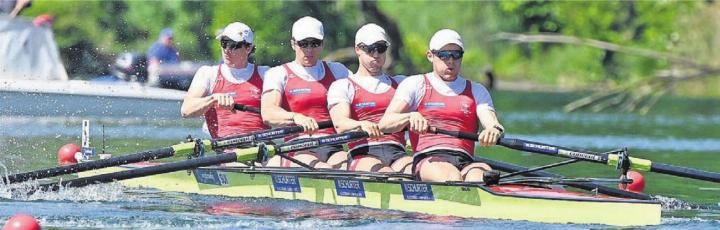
(499, 128)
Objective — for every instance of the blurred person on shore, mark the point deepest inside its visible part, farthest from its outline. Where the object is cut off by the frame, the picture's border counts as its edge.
(163, 51)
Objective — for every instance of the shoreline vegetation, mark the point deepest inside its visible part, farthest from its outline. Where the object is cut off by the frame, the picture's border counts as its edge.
(602, 46)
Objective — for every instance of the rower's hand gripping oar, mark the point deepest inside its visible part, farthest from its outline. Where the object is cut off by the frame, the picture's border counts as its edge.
(618, 158)
(238, 155)
(188, 148)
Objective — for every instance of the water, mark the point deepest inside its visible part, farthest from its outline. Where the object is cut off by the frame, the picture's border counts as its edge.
(29, 141)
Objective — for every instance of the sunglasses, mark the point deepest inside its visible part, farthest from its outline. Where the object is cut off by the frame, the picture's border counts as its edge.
(447, 54)
(377, 47)
(313, 43)
(232, 45)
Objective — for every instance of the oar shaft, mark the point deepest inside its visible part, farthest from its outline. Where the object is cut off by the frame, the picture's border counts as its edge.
(685, 172)
(141, 172)
(242, 141)
(246, 108)
(553, 150)
(91, 165)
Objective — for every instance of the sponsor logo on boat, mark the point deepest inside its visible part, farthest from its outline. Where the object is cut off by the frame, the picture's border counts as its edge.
(434, 105)
(580, 155)
(238, 140)
(212, 177)
(300, 91)
(542, 148)
(369, 104)
(417, 191)
(286, 183)
(351, 188)
(299, 146)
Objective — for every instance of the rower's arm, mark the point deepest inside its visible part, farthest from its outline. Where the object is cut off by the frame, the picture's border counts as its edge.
(196, 102)
(396, 117)
(272, 114)
(489, 119)
(340, 115)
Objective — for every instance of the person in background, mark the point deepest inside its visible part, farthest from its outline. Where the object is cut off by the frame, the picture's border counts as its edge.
(163, 51)
(296, 93)
(359, 101)
(446, 100)
(215, 89)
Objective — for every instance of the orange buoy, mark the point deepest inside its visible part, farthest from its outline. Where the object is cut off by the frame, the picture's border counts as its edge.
(638, 184)
(66, 154)
(22, 222)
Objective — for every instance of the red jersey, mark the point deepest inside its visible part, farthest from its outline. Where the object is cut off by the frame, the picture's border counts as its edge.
(308, 98)
(453, 113)
(223, 122)
(368, 106)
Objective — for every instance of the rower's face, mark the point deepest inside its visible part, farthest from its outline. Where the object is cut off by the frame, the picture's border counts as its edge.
(372, 57)
(446, 61)
(307, 51)
(231, 56)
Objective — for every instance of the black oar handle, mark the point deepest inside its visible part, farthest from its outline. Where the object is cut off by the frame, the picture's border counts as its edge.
(245, 108)
(91, 165)
(463, 135)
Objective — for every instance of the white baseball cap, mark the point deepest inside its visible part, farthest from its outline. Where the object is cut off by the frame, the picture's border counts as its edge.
(444, 37)
(307, 27)
(370, 34)
(238, 32)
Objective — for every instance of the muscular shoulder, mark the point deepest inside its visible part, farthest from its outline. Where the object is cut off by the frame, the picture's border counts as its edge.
(338, 69)
(412, 81)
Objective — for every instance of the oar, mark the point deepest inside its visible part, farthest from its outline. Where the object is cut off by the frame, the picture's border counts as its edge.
(182, 149)
(611, 159)
(238, 155)
(507, 167)
(246, 108)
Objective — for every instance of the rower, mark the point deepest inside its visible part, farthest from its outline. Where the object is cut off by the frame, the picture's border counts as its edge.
(296, 93)
(359, 101)
(215, 89)
(444, 99)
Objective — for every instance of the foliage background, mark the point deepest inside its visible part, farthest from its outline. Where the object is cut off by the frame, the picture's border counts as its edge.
(91, 33)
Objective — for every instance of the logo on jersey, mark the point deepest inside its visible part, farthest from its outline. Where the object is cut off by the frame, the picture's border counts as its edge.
(434, 105)
(299, 91)
(362, 105)
(232, 94)
(255, 92)
(465, 108)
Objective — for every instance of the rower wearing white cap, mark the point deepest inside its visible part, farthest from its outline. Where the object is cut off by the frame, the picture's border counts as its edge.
(215, 89)
(296, 93)
(358, 103)
(446, 100)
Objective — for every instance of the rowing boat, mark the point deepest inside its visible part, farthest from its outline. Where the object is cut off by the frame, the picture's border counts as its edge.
(468, 200)
(544, 197)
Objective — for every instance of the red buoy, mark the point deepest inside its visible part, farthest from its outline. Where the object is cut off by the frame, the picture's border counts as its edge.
(638, 184)
(66, 154)
(22, 222)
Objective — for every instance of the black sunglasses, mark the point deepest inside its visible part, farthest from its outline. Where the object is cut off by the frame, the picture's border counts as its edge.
(230, 44)
(376, 47)
(447, 54)
(305, 43)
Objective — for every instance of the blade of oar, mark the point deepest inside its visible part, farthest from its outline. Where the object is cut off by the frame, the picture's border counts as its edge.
(246, 108)
(238, 155)
(608, 159)
(182, 149)
(602, 158)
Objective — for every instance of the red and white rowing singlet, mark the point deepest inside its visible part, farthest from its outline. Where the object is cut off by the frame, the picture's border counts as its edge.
(368, 106)
(223, 122)
(308, 98)
(453, 113)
